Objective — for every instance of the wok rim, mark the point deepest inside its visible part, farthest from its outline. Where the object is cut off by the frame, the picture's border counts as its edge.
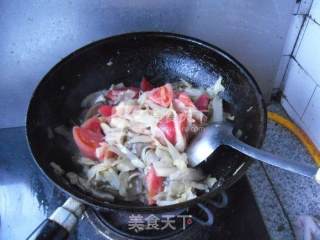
(97, 204)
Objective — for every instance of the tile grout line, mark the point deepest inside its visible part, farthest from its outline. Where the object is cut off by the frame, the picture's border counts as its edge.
(313, 19)
(305, 71)
(292, 51)
(299, 117)
(301, 33)
(295, 111)
(305, 109)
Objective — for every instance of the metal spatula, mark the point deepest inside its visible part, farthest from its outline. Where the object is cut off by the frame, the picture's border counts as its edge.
(218, 134)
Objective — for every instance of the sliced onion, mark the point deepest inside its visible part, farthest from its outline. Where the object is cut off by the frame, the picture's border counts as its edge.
(64, 131)
(117, 86)
(180, 139)
(188, 174)
(93, 98)
(216, 88)
(164, 156)
(111, 177)
(57, 169)
(123, 177)
(125, 108)
(196, 114)
(179, 159)
(96, 169)
(124, 165)
(92, 111)
(148, 156)
(194, 93)
(86, 161)
(133, 158)
(124, 96)
(102, 195)
(210, 181)
(140, 139)
(164, 171)
(135, 186)
(85, 186)
(118, 122)
(217, 109)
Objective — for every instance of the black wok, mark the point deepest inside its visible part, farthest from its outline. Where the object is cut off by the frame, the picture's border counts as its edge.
(161, 57)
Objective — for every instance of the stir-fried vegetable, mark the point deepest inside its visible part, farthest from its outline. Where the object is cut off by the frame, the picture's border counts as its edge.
(133, 147)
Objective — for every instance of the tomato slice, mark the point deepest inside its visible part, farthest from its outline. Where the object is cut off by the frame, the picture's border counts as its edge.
(166, 125)
(145, 85)
(92, 124)
(186, 100)
(114, 93)
(202, 102)
(106, 110)
(162, 95)
(87, 141)
(154, 185)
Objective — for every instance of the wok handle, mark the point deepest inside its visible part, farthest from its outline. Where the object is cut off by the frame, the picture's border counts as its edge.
(221, 201)
(209, 219)
(60, 223)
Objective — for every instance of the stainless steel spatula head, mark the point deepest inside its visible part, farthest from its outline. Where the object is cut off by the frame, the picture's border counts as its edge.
(217, 134)
(207, 141)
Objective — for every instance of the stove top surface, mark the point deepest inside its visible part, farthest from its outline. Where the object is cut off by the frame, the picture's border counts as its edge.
(27, 197)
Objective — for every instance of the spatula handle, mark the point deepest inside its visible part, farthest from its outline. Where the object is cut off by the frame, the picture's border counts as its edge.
(266, 157)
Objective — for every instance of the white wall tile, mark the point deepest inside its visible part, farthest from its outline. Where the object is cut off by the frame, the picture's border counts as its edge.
(298, 88)
(297, 120)
(291, 39)
(315, 10)
(308, 53)
(311, 117)
(301, 34)
(293, 33)
(292, 113)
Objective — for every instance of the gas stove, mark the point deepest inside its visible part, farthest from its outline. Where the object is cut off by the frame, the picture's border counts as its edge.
(27, 198)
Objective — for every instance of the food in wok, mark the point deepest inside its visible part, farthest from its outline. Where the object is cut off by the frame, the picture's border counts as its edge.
(132, 141)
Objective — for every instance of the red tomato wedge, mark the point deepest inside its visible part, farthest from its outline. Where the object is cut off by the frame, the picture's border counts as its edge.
(145, 85)
(186, 100)
(154, 185)
(92, 124)
(87, 141)
(114, 93)
(202, 102)
(106, 110)
(166, 125)
(162, 95)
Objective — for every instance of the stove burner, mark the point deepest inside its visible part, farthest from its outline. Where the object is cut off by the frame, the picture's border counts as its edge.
(179, 224)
